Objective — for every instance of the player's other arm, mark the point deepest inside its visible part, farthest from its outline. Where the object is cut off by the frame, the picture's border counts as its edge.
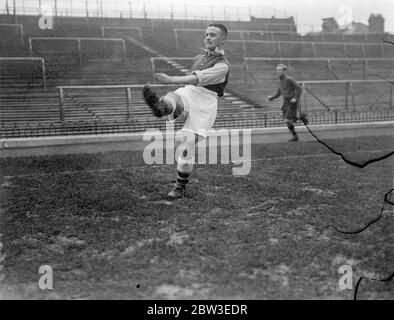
(275, 96)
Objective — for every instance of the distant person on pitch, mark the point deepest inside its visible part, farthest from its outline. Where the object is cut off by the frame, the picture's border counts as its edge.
(196, 103)
(291, 91)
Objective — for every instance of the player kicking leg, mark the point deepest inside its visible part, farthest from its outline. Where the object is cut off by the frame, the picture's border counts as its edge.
(196, 102)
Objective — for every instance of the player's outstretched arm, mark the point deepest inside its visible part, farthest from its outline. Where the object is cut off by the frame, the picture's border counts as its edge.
(277, 95)
(166, 79)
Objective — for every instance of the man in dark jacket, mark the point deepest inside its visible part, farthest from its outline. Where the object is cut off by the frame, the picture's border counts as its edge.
(291, 91)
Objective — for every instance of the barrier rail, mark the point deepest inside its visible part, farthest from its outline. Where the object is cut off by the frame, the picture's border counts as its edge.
(138, 9)
(240, 32)
(348, 88)
(259, 120)
(169, 60)
(323, 35)
(326, 60)
(313, 44)
(349, 92)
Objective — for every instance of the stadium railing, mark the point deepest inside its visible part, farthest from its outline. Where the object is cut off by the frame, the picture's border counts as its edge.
(267, 35)
(259, 120)
(268, 27)
(339, 93)
(104, 28)
(348, 95)
(127, 94)
(241, 33)
(189, 12)
(362, 94)
(365, 70)
(170, 60)
(41, 60)
(342, 48)
(347, 37)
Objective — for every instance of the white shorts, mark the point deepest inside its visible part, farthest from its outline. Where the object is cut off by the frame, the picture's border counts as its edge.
(200, 108)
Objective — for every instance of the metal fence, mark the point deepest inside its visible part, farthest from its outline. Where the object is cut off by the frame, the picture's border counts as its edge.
(259, 120)
(363, 68)
(138, 9)
(348, 94)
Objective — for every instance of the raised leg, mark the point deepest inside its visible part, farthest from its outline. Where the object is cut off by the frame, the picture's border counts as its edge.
(171, 103)
(290, 126)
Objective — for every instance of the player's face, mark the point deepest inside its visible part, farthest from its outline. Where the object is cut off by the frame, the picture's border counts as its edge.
(280, 71)
(213, 38)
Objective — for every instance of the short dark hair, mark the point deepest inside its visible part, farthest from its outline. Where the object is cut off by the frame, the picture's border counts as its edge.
(220, 26)
(282, 66)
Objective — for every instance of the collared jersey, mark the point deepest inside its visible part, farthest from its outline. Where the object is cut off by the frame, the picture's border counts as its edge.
(212, 71)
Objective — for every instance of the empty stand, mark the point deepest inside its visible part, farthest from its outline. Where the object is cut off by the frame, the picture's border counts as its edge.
(320, 68)
(130, 31)
(11, 33)
(98, 48)
(100, 84)
(22, 71)
(326, 95)
(347, 37)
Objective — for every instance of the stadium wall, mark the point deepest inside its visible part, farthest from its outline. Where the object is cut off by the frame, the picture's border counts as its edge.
(23, 147)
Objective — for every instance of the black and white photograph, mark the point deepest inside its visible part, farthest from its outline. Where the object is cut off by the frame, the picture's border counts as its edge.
(211, 152)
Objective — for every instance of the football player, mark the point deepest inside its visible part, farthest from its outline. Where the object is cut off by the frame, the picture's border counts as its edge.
(291, 91)
(196, 103)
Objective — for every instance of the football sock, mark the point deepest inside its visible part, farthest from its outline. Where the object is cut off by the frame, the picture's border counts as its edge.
(182, 179)
(292, 129)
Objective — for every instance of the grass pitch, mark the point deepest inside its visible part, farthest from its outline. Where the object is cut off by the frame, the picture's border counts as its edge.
(103, 224)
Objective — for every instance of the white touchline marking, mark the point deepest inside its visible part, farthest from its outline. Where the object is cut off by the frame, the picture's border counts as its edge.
(144, 166)
(320, 155)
